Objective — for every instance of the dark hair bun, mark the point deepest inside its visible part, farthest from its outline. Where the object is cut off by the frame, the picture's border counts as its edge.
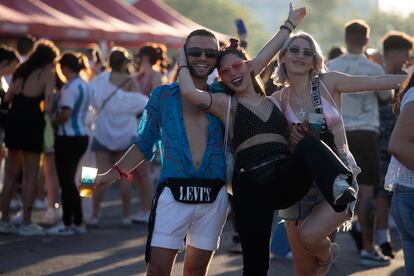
(234, 43)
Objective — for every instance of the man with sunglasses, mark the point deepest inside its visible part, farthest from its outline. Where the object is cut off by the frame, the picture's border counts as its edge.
(192, 152)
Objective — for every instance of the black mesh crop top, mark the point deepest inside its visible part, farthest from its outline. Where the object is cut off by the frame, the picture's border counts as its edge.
(247, 124)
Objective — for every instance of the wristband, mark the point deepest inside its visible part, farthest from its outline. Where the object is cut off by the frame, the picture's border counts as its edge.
(181, 67)
(290, 22)
(211, 102)
(123, 175)
(286, 28)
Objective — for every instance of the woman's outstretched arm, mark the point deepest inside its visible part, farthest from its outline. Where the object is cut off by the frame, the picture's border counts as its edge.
(344, 83)
(273, 46)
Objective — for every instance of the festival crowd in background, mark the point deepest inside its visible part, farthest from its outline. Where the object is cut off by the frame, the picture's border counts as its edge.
(60, 107)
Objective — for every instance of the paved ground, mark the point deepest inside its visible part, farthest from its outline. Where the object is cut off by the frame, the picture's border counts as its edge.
(112, 249)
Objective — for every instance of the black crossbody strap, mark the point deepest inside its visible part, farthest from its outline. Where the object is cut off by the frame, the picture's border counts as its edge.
(151, 221)
(113, 93)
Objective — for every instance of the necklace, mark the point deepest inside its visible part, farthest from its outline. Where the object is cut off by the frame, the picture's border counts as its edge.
(302, 111)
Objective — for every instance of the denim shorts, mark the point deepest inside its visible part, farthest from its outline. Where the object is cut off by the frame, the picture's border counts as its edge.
(301, 209)
(402, 210)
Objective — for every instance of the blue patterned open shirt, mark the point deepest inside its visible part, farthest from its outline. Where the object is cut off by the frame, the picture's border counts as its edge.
(162, 124)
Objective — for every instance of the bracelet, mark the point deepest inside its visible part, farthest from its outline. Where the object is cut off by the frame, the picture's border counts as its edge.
(286, 28)
(211, 103)
(181, 67)
(123, 175)
(290, 22)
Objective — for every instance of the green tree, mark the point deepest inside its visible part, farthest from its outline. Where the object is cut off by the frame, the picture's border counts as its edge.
(323, 23)
(388, 22)
(219, 15)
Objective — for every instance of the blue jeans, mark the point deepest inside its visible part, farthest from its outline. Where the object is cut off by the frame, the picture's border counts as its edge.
(403, 212)
(279, 245)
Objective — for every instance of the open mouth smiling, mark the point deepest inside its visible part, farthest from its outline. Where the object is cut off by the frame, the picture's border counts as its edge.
(237, 81)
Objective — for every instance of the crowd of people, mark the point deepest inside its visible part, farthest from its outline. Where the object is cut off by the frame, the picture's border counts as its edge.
(321, 146)
(53, 105)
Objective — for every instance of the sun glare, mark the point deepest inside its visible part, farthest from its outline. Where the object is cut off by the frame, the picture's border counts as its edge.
(402, 7)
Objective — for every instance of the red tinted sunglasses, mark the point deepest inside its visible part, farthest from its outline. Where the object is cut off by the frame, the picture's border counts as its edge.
(237, 65)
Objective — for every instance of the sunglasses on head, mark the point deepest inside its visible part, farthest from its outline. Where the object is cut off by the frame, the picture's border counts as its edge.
(306, 52)
(237, 65)
(197, 52)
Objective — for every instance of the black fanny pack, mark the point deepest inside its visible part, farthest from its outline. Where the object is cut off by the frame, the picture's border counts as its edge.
(194, 191)
(263, 172)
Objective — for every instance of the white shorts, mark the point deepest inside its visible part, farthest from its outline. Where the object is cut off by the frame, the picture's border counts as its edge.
(200, 224)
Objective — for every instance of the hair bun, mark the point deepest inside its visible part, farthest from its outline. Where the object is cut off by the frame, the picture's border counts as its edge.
(234, 43)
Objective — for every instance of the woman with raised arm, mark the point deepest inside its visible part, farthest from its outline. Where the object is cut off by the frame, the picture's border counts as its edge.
(310, 101)
(267, 176)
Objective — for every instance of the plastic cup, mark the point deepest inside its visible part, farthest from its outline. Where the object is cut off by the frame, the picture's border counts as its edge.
(88, 177)
(315, 123)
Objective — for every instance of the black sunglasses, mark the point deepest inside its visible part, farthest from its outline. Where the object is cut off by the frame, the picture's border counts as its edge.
(197, 52)
(297, 50)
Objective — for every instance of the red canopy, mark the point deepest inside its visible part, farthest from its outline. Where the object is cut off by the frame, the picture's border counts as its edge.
(23, 16)
(158, 31)
(95, 20)
(113, 29)
(164, 13)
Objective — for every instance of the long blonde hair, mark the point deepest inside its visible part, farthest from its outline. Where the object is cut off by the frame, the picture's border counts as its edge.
(280, 76)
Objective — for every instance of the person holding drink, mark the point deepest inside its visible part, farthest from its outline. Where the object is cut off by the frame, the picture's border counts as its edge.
(71, 140)
(310, 100)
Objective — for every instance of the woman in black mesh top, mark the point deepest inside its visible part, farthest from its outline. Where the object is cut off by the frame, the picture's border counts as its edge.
(267, 176)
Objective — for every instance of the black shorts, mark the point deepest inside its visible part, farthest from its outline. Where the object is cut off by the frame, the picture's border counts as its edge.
(363, 144)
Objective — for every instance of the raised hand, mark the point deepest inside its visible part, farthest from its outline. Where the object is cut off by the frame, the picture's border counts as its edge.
(182, 59)
(296, 15)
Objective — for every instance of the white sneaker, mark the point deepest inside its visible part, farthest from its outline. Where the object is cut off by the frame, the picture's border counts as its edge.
(32, 229)
(141, 217)
(126, 221)
(343, 193)
(92, 221)
(7, 227)
(61, 230)
(374, 259)
(40, 204)
(79, 229)
(17, 219)
(15, 203)
(50, 217)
